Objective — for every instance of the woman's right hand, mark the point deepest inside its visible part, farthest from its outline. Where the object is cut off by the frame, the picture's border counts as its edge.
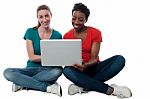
(79, 67)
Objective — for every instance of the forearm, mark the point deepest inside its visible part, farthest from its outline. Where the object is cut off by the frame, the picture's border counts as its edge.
(94, 55)
(35, 58)
(85, 64)
(90, 63)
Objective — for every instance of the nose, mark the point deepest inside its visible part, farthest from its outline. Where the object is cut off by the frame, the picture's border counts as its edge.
(76, 21)
(44, 19)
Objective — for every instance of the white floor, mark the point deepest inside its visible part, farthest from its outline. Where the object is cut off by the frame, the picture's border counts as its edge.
(126, 77)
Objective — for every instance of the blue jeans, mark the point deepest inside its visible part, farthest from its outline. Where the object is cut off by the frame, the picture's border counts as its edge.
(93, 78)
(37, 78)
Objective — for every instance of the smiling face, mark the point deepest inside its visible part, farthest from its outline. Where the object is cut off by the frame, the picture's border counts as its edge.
(78, 20)
(44, 18)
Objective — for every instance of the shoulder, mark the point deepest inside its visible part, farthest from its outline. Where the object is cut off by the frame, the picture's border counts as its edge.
(30, 33)
(92, 29)
(68, 34)
(95, 34)
(56, 34)
(31, 30)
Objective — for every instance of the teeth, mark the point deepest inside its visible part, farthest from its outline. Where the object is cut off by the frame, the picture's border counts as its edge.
(76, 26)
(45, 23)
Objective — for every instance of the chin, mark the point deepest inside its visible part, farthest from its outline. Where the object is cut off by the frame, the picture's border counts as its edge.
(45, 26)
(77, 29)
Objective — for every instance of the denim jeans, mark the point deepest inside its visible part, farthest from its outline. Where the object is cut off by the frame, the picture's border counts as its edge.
(93, 78)
(37, 78)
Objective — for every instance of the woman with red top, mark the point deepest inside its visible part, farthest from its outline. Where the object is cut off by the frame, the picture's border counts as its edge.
(92, 74)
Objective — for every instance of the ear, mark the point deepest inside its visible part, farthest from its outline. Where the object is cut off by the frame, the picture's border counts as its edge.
(85, 21)
(51, 14)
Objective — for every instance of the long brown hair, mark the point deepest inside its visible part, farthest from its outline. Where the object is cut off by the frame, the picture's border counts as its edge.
(41, 7)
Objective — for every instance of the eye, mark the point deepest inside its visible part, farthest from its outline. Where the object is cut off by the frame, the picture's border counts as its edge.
(81, 20)
(47, 16)
(40, 17)
(73, 19)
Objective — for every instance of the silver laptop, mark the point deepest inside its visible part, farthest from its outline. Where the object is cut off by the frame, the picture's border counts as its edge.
(61, 52)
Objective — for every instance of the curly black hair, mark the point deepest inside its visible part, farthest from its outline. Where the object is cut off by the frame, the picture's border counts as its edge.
(82, 8)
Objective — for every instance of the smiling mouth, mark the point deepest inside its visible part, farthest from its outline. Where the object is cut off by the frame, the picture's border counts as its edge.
(45, 23)
(76, 26)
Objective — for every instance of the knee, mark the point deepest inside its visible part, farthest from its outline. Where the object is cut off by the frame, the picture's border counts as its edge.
(8, 74)
(70, 73)
(67, 71)
(58, 71)
(121, 60)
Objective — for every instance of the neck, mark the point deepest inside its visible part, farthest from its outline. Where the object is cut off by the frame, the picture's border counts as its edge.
(83, 29)
(45, 30)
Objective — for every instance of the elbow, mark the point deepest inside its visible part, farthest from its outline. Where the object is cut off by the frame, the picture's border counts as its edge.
(31, 59)
(35, 58)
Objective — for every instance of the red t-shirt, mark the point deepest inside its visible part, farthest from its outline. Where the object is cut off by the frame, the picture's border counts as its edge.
(93, 35)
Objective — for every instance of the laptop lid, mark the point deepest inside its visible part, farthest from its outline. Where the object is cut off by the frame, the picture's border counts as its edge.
(61, 52)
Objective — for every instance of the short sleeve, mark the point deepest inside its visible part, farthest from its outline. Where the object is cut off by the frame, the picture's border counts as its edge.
(28, 34)
(97, 35)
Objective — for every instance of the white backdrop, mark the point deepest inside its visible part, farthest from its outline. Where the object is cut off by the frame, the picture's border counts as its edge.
(124, 26)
